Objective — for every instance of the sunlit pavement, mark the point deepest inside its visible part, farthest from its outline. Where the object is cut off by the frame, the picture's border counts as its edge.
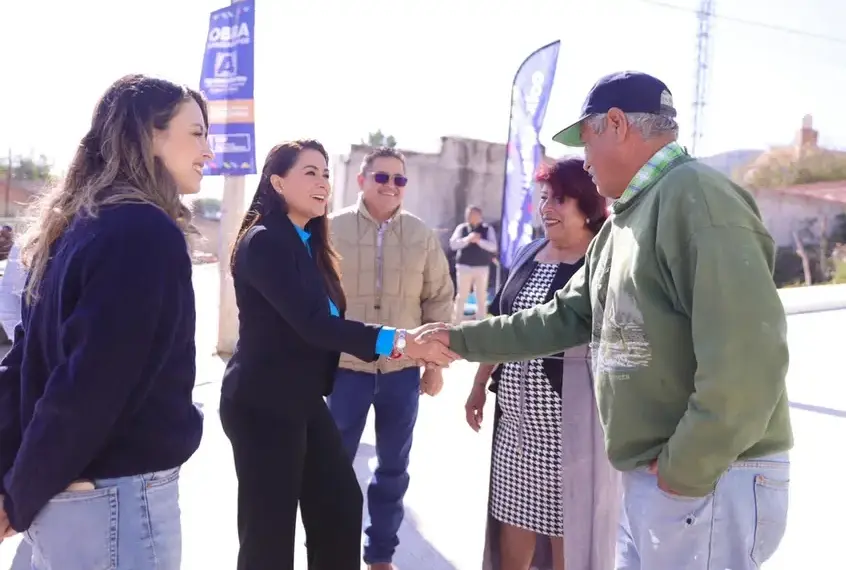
(817, 389)
(445, 506)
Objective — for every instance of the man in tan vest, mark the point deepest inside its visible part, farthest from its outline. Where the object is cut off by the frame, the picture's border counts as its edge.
(394, 273)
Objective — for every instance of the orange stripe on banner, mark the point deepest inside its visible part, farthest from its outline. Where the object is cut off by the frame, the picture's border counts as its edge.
(234, 111)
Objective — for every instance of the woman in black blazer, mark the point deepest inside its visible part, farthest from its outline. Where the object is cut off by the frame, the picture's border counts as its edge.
(287, 449)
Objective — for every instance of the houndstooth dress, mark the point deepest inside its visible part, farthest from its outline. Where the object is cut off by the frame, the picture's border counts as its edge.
(526, 472)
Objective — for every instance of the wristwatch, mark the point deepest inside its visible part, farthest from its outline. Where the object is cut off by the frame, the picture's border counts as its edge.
(399, 345)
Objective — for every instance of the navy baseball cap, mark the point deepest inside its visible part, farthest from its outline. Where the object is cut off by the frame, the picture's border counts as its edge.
(629, 91)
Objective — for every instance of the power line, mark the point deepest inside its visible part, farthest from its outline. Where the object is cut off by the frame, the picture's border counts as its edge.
(753, 23)
(703, 51)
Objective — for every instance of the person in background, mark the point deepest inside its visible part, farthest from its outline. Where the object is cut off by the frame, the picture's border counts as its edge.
(688, 337)
(11, 288)
(7, 240)
(90, 464)
(395, 273)
(287, 449)
(474, 242)
(551, 481)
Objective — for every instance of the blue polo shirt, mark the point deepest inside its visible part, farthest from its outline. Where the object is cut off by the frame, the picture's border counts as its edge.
(385, 339)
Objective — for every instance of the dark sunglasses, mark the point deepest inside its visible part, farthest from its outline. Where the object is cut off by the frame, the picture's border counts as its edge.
(383, 178)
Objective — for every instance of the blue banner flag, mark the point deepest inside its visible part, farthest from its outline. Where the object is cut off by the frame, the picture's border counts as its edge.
(227, 83)
(529, 98)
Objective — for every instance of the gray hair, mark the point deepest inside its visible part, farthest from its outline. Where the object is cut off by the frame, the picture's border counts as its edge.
(381, 152)
(649, 125)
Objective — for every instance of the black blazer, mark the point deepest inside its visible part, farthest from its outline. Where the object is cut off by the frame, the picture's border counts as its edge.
(289, 343)
(504, 301)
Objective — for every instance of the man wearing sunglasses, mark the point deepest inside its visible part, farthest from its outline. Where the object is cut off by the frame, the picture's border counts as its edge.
(394, 273)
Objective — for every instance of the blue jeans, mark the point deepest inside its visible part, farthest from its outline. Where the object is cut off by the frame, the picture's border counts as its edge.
(128, 523)
(23, 557)
(394, 397)
(739, 525)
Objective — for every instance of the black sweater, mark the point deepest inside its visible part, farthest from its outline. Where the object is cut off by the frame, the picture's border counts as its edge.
(98, 383)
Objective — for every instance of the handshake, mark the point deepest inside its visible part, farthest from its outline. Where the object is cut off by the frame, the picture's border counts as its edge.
(428, 345)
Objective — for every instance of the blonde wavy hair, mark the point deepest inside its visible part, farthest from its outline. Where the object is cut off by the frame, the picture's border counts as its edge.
(114, 164)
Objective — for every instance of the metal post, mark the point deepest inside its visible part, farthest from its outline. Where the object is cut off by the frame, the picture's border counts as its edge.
(232, 211)
(231, 214)
(8, 186)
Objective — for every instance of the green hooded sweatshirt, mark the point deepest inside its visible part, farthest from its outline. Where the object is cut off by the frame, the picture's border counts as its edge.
(686, 329)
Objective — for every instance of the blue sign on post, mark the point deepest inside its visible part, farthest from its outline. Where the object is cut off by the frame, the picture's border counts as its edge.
(529, 98)
(227, 83)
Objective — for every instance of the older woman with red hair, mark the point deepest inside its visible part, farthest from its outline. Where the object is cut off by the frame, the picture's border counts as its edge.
(553, 494)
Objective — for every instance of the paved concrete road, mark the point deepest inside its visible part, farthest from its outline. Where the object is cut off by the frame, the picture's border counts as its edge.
(447, 498)
(817, 388)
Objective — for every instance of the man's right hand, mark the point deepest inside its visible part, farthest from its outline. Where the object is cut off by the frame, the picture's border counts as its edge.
(435, 332)
(423, 347)
(653, 469)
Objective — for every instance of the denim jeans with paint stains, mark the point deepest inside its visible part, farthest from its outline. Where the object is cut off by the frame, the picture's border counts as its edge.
(130, 523)
(738, 527)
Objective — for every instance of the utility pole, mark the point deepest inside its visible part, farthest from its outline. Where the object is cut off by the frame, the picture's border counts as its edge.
(8, 186)
(231, 213)
(703, 60)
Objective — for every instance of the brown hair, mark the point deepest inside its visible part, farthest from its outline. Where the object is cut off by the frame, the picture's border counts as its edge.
(567, 178)
(114, 164)
(280, 160)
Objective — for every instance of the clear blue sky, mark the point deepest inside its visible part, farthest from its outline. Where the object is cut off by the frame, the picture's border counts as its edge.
(336, 69)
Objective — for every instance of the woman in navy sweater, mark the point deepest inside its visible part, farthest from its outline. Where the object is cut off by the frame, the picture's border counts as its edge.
(96, 414)
(287, 449)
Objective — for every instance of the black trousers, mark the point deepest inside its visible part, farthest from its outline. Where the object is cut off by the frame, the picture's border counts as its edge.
(281, 463)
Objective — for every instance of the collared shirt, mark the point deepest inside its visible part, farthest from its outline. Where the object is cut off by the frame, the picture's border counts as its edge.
(381, 229)
(385, 339)
(306, 236)
(650, 171)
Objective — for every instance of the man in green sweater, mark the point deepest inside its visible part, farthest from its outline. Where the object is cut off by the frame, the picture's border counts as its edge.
(688, 338)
